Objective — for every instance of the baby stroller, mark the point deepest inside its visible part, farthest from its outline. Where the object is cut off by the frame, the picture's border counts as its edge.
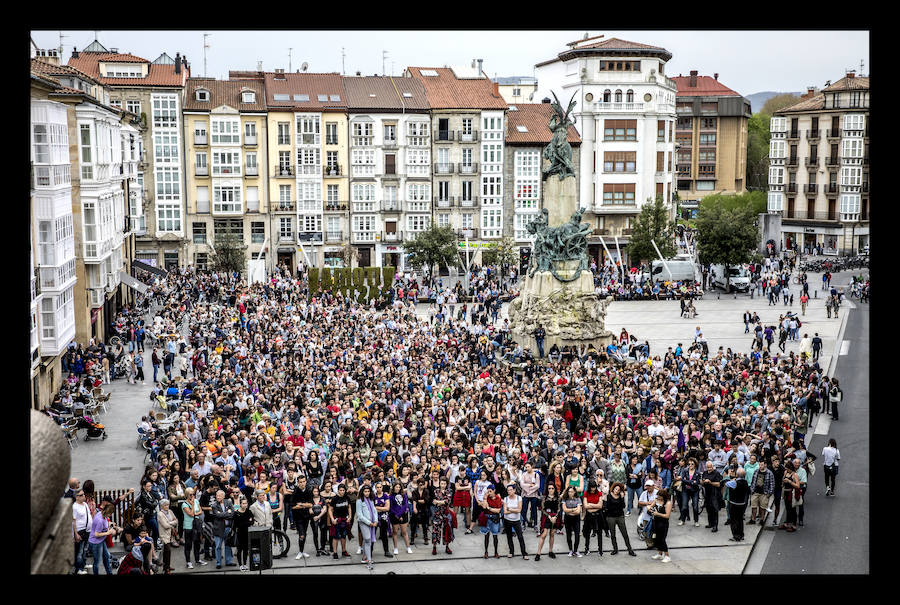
(95, 430)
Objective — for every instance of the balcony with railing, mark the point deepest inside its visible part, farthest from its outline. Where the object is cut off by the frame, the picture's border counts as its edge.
(811, 188)
(793, 134)
(251, 170)
(467, 137)
(334, 236)
(467, 232)
(448, 202)
(793, 161)
(806, 215)
(332, 170)
(389, 144)
(834, 133)
(250, 140)
(286, 236)
(467, 168)
(395, 236)
(831, 189)
(683, 170)
(833, 161)
(813, 134)
(607, 107)
(391, 206)
(337, 206)
(201, 170)
(200, 139)
(470, 203)
(790, 187)
(812, 162)
(284, 206)
(445, 136)
(443, 168)
(283, 172)
(865, 187)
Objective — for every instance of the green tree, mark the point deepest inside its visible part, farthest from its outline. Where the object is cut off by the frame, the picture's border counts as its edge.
(652, 224)
(755, 200)
(726, 236)
(437, 246)
(758, 151)
(229, 254)
(505, 253)
(779, 102)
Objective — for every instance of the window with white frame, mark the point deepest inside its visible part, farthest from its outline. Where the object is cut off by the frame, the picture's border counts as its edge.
(777, 148)
(467, 220)
(227, 199)
(284, 133)
(491, 222)
(309, 160)
(311, 223)
(854, 121)
(119, 70)
(852, 148)
(252, 199)
(467, 127)
(527, 179)
(331, 133)
(417, 134)
(284, 162)
(390, 133)
(168, 182)
(443, 219)
(363, 197)
(310, 193)
(389, 193)
(286, 228)
(133, 107)
(466, 191)
(226, 163)
(778, 124)
(417, 162)
(250, 159)
(491, 189)
(248, 96)
(849, 203)
(225, 131)
(87, 172)
(202, 95)
(168, 217)
(284, 193)
(165, 111)
(250, 129)
(363, 223)
(851, 176)
(775, 201)
(520, 225)
(199, 129)
(308, 130)
(492, 153)
(165, 148)
(363, 161)
(417, 222)
(492, 127)
(331, 194)
(48, 317)
(776, 175)
(333, 224)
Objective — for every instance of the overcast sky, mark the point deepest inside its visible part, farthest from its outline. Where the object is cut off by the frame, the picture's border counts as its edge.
(746, 61)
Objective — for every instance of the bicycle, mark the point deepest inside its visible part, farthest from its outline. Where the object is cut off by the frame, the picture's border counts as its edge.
(281, 544)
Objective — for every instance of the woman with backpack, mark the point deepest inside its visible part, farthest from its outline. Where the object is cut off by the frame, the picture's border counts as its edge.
(835, 396)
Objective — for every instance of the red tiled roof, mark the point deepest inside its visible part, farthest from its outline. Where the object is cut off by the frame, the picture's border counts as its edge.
(617, 44)
(308, 84)
(224, 92)
(388, 93)
(157, 75)
(707, 86)
(536, 118)
(808, 104)
(38, 65)
(446, 91)
(845, 83)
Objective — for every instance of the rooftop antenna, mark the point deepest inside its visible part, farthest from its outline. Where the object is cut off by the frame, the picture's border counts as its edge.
(205, 46)
(289, 59)
(61, 36)
(861, 65)
(384, 55)
(343, 54)
(304, 66)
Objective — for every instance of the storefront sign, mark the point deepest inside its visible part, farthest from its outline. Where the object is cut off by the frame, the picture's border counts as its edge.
(809, 230)
(474, 245)
(391, 248)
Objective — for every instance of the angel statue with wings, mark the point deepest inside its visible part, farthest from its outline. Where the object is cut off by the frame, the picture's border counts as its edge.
(559, 152)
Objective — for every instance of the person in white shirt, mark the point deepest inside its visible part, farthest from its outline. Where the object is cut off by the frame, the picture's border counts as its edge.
(81, 526)
(831, 457)
(645, 501)
(512, 520)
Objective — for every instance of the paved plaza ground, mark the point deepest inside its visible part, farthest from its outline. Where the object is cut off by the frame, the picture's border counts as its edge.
(117, 462)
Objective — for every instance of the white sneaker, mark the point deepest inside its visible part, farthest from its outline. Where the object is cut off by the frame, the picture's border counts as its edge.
(244, 568)
(571, 554)
(666, 559)
(306, 555)
(299, 556)
(409, 550)
(395, 551)
(628, 514)
(579, 555)
(681, 523)
(359, 550)
(696, 524)
(82, 572)
(190, 565)
(203, 562)
(657, 557)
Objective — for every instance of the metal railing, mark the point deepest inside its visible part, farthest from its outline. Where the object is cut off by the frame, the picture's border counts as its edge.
(445, 136)
(391, 206)
(813, 134)
(251, 170)
(334, 236)
(834, 133)
(250, 140)
(285, 171)
(334, 170)
(337, 206)
(472, 233)
(286, 236)
(396, 236)
(309, 236)
(816, 215)
(811, 188)
(793, 134)
(467, 168)
(472, 203)
(284, 206)
(831, 189)
(467, 137)
(833, 161)
(793, 161)
(791, 187)
(449, 202)
(122, 509)
(812, 161)
(443, 168)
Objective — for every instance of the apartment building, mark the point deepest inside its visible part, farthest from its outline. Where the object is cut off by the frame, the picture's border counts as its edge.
(710, 139)
(819, 168)
(625, 115)
(153, 91)
(52, 238)
(517, 89)
(527, 134)
(226, 159)
(304, 166)
(390, 171)
(468, 130)
(104, 160)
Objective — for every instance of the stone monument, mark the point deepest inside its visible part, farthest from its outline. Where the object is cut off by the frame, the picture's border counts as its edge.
(558, 288)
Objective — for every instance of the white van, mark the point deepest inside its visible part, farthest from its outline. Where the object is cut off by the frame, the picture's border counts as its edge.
(681, 269)
(738, 275)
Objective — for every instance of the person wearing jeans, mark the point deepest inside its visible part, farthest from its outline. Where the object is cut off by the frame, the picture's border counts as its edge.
(222, 511)
(539, 340)
(690, 493)
(81, 524)
(100, 529)
(831, 457)
(512, 520)
(191, 529)
(530, 486)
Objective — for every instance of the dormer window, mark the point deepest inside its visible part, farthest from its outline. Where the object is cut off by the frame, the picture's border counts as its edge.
(248, 96)
(202, 95)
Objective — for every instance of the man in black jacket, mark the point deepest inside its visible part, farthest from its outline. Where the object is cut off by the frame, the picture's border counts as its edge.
(222, 511)
(711, 480)
(738, 496)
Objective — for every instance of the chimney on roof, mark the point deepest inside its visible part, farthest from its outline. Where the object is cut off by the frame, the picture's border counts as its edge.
(693, 78)
(716, 76)
(113, 50)
(259, 66)
(177, 63)
(279, 74)
(74, 53)
(479, 66)
(810, 91)
(546, 100)
(851, 73)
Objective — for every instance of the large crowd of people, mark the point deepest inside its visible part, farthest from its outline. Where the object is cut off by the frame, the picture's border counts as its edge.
(364, 425)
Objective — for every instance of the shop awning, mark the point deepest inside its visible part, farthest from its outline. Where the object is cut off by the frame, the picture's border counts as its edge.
(136, 264)
(134, 283)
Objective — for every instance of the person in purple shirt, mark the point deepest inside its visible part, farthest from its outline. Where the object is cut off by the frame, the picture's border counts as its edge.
(100, 528)
(399, 515)
(382, 507)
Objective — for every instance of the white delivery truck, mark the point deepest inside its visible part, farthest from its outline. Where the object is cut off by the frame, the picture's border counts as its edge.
(680, 268)
(738, 275)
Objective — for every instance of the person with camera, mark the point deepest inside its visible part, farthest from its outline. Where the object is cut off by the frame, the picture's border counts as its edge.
(102, 532)
(660, 511)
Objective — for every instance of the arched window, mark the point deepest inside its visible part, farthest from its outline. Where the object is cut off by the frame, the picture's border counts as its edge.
(606, 95)
(629, 96)
(618, 96)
